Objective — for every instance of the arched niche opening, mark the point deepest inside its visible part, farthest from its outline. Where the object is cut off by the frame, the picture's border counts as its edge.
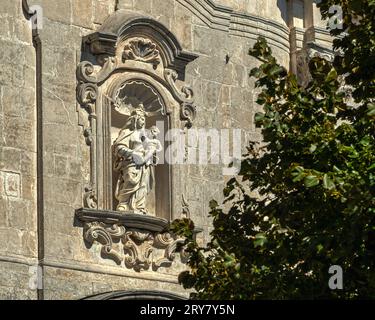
(128, 96)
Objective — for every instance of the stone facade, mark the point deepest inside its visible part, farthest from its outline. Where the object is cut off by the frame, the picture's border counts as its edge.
(46, 162)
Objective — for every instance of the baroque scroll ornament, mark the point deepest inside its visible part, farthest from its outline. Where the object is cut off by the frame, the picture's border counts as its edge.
(141, 249)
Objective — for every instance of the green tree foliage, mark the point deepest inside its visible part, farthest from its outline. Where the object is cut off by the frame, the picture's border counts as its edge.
(305, 200)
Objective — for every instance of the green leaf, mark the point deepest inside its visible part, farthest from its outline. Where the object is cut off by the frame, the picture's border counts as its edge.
(311, 181)
(276, 70)
(332, 75)
(260, 240)
(365, 141)
(313, 148)
(299, 177)
(371, 109)
(255, 72)
(259, 117)
(213, 204)
(319, 248)
(328, 183)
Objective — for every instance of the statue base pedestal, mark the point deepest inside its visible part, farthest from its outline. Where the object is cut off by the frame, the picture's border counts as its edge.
(136, 241)
(128, 219)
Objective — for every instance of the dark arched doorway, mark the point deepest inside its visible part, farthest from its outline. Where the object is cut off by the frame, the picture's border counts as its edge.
(136, 295)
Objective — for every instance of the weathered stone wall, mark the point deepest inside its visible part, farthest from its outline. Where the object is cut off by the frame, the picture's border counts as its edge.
(18, 229)
(221, 36)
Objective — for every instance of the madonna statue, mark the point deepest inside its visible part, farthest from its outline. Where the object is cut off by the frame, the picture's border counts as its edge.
(134, 160)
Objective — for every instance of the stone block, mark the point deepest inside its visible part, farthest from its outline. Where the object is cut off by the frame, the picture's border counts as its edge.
(58, 111)
(211, 96)
(98, 287)
(22, 31)
(11, 53)
(2, 192)
(163, 8)
(29, 76)
(7, 293)
(6, 27)
(58, 34)
(82, 13)
(11, 8)
(60, 247)
(203, 40)
(14, 275)
(25, 294)
(142, 5)
(18, 214)
(237, 50)
(30, 244)
(10, 159)
(19, 133)
(102, 10)
(28, 187)
(2, 141)
(60, 218)
(11, 74)
(60, 64)
(74, 169)
(12, 185)
(18, 102)
(11, 240)
(196, 208)
(28, 163)
(224, 97)
(63, 191)
(125, 4)
(49, 163)
(54, 133)
(3, 209)
(182, 27)
(30, 59)
(66, 149)
(241, 98)
(61, 165)
(216, 69)
(60, 11)
(240, 76)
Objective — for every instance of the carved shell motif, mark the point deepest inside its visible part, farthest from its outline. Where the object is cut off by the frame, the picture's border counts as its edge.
(143, 50)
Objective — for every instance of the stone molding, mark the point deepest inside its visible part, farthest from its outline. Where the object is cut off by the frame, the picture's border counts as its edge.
(80, 266)
(122, 25)
(237, 23)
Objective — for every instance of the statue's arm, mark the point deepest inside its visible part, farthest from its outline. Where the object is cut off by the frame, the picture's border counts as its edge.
(123, 151)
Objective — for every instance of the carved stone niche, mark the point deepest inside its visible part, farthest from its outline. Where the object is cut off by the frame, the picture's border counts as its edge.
(132, 63)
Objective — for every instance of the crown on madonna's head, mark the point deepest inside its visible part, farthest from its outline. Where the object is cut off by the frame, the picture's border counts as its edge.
(139, 111)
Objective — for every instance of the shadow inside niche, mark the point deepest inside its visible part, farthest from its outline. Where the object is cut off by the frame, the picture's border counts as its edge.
(283, 7)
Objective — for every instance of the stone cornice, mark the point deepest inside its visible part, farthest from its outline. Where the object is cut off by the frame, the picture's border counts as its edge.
(83, 266)
(215, 16)
(239, 23)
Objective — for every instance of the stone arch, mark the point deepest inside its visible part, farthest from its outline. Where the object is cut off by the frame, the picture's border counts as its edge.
(136, 295)
(123, 24)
